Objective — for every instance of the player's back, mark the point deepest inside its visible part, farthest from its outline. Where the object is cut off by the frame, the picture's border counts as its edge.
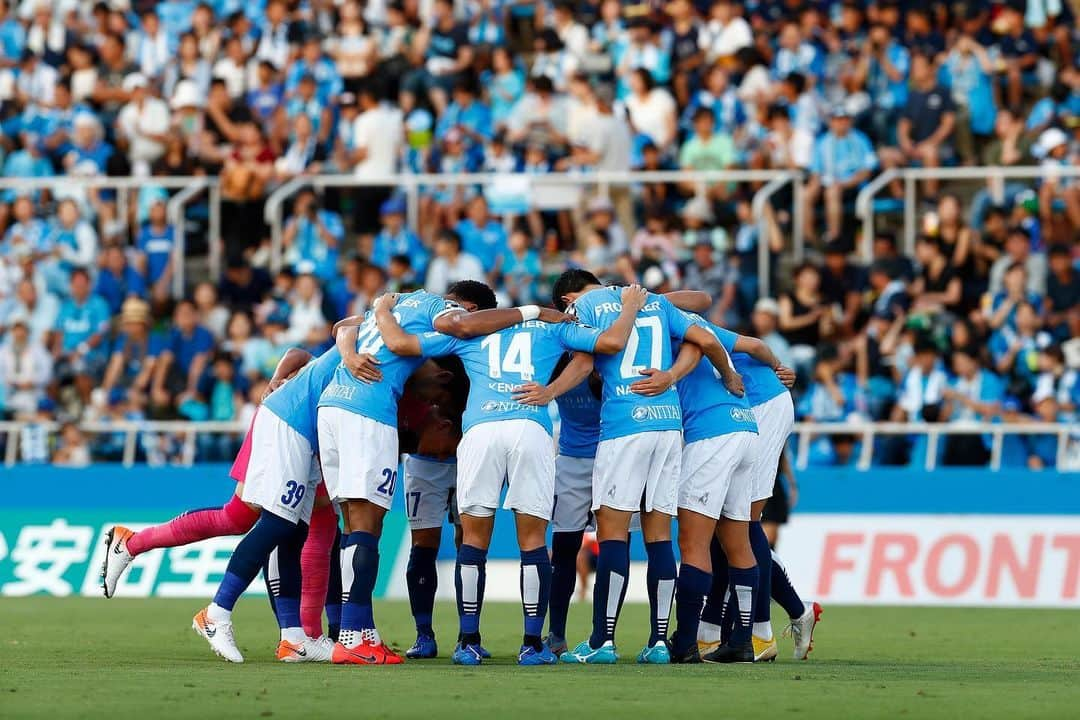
(579, 414)
(759, 380)
(649, 346)
(378, 401)
(296, 402)
(709, 408)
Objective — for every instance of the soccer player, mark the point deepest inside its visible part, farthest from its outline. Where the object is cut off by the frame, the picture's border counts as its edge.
(281, 480)
(359, 442)
(767, 392)
(505, 441)
(637, 459)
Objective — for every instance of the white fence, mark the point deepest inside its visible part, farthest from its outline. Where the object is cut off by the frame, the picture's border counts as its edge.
(805, 432)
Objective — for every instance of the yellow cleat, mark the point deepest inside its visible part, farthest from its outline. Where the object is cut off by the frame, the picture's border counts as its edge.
(764, 650)
(704, 647)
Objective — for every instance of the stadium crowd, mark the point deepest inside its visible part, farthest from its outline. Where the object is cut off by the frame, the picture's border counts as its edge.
(981, 323)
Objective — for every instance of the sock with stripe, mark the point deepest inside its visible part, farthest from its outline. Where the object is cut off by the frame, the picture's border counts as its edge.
(564, 552)
(712, 615)
(759, 543)
(359, 571)
(660, 581)
(535, 592)
(742, 584)
(693, 584)
(783, 592)
(422, 580)
(333, 590)
(470, 576)
(246, 561)
(315, 566)
(233, 518)
(609, 590)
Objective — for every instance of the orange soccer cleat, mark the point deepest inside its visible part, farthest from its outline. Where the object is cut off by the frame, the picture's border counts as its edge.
(365, 654)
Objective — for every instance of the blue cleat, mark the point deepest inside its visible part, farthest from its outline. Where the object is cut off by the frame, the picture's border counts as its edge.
(658, 654)
(467, 655)
(483, 652)
(531, 656)
(556, 644)
(424, 648)
(586, 655)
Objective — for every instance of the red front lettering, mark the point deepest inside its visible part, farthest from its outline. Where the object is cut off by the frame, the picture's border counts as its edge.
(969, 569)
(1003, 557)
(832, 563)
(1071, 545)
(884, 560)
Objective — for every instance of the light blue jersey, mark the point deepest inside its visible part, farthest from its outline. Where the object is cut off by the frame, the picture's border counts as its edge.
(499, 363)
(622, 412)
(579, 433)
(709, 408)
(297, 401)
(378, 401)
(759, 379)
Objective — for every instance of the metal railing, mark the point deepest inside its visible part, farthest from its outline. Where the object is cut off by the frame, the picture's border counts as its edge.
(411, 185)
(996, 175)
(189, 187)
(804, 432)
(868, 431)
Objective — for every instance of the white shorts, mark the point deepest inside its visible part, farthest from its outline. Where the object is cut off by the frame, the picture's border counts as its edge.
(283, 473)
(573, 494)
(638, 472)
(519, 452)
(359, 457)
(430, 488)
(716, 476)
(775, 421)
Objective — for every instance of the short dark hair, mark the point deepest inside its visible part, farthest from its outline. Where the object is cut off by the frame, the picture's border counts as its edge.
(571, 281)
(80, 271)
(797, 81)
(475, 292)
(450, 236)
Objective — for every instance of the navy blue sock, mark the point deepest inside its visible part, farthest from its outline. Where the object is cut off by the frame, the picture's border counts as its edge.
(535, 583)
(287, 604)
(783, 592)
(742, 584)
(759, 543)
(661, 585)
(470, 576)
(694, 583)
(249, 556)
(713, 612)
(360, 567)
(333, 591)
(564, 552)
(612, 573)
(422, 579)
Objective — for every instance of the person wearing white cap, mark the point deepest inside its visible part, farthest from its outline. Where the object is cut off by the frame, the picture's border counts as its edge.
(142, 125)
(765, 319)
(1052, 148)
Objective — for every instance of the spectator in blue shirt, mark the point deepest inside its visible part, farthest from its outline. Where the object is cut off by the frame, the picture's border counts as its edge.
(1016, 350)
(1020, 52)
(1004, 304)
(313, 237)
(973, 394)
(842, 161)
(27, 162)
(885, 64)
(795, 54)
(175, 16)
(29, 232)
(505, 85)
(134, 353)
(155, 244)
(12, 37)
(395, 238)
(79, 347)
(469, 116)
(182, 361)
(312, 61)
(967, 73)
(520, 268)
(266, 97)
(117, 280)
(305, 101)
(722, 98)
(482, 236)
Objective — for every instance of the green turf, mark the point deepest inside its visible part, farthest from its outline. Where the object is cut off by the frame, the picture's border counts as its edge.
(138, 660)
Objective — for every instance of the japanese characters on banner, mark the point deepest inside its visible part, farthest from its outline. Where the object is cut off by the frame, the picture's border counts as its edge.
(1003, 560)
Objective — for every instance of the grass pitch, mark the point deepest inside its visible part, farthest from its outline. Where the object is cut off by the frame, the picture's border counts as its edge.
(138, 659)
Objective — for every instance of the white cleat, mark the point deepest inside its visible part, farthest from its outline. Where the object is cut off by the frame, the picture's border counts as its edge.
(219, 635)
(318, 649)
(117, 558)
(802, 630)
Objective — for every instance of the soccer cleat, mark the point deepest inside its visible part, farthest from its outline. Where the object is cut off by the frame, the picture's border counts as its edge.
(364, 654)
(690, 656)
(658, 654)
(704, 647)
(729, 653)
(586, 655)
(219, 635)
(483, 652)
(556, 644)
(764, 650)
(467, 655)
(802, 631)
(531, 656)
(310, 650)
(424, 648)
(117, 558)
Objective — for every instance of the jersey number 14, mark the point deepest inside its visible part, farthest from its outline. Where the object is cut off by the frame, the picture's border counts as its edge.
(518, 357)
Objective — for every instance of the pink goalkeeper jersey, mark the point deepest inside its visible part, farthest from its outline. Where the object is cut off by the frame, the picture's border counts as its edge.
(238, 471)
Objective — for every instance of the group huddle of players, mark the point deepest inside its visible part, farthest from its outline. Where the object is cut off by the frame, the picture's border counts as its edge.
(663, 415)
